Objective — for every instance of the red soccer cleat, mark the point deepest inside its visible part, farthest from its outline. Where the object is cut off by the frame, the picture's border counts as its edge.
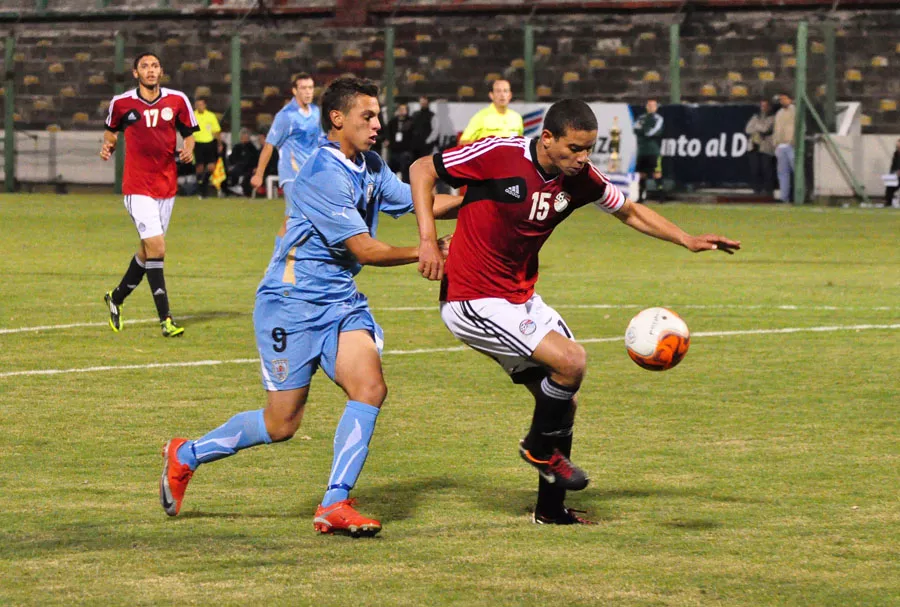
(340, 517)
(175, 478)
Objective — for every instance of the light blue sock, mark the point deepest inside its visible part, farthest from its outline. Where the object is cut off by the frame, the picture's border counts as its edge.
(241, 431)
(351, 445)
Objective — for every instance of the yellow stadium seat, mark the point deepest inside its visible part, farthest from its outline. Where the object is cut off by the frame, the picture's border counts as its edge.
(165, 79)
(681, 62)
(41, 104)
(44, 43)
(865, 120)
(443, 63)
(202, 91)
(227, 78)
(597, 64)
(281, 55)
(739, 90)
(817, 47)
(173, 41)
(423, 37)
(879, 61)
(400, 53)
(2, 91)
(31, 80)
(495, 37)
(256, 66)
(623, 51)
(56, 68)
(68, 92)
(188, 66)
(415, 77)
(708, 90)
(651, 76)
(571, 77)
(766, 76)
(785, 49)
(543, 50)
(465, 91)
(789, 62)
(80, 117)
(352, 53)
(53, 128)
(214, 55)
(735, 77)
(246, 104)
(82, 57)
(544, 91)
(887, 105)
(107, 42)
(491, 76)
(103, 106)
(470, 51)
(897, 48)
(271, 91)
(647, 36)
(17, 117)
(517, 64)
(373, 64)
(853, 76)
(324, 64)
(20, 57)
(820, 90)
(263, 119)
(760, 62)
(703, 49)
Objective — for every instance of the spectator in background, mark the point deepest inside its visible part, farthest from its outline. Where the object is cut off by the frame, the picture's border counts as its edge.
(783, 139)
(496, 120)
(762, 149)
(399, 142)
(241, 164)
(206, 152)
(272, 165)
(891, 191)
(421, 129)
(648, 129)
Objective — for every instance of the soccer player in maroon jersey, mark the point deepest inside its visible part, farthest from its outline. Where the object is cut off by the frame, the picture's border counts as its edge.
(150, 116)
(519, 190)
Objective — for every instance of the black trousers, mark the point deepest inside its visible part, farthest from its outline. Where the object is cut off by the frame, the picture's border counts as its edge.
(762, 172)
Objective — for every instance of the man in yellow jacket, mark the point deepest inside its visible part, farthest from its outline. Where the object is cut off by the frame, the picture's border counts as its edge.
(496, 120)
(206, 151)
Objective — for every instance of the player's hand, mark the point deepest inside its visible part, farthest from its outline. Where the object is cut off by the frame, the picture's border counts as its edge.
(106, 150)
(256, 180)
(713, 242)
(186, 155)
(444, 245)
(431, 262)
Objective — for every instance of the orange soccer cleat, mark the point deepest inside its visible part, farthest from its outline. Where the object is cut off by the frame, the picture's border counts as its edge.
(175, 478)
(340, 517)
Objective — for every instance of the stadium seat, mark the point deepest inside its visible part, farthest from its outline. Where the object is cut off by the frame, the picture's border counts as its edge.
(785, 49)
(188, 66)
(41, 103)
(443, 63)
(80, 117)
(470, 51)
(517, 64)
(246, 104)
(542, 50)
(879, 61)
(56, 68)
(651, 76)
(465, 92)
(495, 37)
(283, 55)
(544, 91)
(202, 91)
(865, 120)
(817, 47)
(703, 50)
(164, 79)
(597, 64)
(82, 57)
(44, 43)
(413, 77)
(852, 75)
(735, 77)
(352, 53)
(766, 76)
(887, 105)
(491, 76)
(270, 91)
(214, 55)
(400, 53)
(373, 64)
(53, 128)
(623, 51)
(708, 90)
(263, 120)
(739, 91)
(569, 77)
(423, 37)
(760, 62)
(789, 61)
(31, 80)
(68, 92)
(647, 36)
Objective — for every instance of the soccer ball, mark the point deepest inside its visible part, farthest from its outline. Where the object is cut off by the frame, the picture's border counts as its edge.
(657, 339)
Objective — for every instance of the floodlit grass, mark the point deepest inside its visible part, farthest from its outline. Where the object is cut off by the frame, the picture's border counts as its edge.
(761, 471)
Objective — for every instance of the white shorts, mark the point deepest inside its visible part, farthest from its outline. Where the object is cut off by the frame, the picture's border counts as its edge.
(150, 215)
(507, 332)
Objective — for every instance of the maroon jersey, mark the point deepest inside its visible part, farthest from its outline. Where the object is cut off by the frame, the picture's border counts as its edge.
(150, 139)
(510, 209)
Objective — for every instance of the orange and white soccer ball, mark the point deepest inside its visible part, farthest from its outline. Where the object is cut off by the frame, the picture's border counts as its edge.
(657, 339)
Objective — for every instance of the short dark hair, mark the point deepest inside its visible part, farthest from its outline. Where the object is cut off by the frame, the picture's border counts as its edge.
(567, 114)
(495, 81)
(301, 76)
(199, 99)
(340, 94)
(138, 58)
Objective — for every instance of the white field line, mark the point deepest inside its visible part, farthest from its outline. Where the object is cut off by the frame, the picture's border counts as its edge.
(76, 325)
(592, 340)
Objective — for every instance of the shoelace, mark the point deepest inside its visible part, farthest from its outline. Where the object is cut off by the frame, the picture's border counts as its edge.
(571, 512)
(560, 464)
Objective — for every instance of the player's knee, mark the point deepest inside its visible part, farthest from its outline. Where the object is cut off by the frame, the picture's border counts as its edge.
(372, 392)
(573, 364)
(155, 249)
(282, 429)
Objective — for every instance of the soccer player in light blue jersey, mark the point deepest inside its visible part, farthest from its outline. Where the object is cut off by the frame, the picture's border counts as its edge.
(309, 313)
(296, 132)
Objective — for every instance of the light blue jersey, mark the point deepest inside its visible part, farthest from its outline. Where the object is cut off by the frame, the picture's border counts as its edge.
(332, 200)
(296, 135)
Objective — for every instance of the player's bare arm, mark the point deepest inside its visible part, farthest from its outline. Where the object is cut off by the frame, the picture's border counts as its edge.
(264, 158)
(423, 176)
(446, 206)
(110, 139)
(647, 221)
(371, 252)
(187, 151)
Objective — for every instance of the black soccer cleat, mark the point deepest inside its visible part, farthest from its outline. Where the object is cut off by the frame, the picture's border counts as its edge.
(557, 470)
(115, 312)
(568, 516)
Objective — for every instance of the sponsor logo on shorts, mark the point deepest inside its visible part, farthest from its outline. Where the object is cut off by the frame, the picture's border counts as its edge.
(561, 202)
(280, 369)
(141, 227)
(527, 327)
(166, 113)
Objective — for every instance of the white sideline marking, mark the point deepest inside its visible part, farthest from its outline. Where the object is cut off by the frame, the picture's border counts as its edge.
(76, 325)
(593, 340)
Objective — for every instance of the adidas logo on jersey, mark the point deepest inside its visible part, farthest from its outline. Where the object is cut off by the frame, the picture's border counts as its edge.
(513, 191)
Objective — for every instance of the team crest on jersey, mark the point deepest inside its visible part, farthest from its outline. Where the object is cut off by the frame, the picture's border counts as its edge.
(527, 327)
(561, 202)
(280, 369)
(166, 113)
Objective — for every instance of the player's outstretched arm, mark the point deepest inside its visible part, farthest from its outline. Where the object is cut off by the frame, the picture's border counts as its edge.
(264, 158)
(110, 138)
(446, 206)
(647, 221)
(187, 151)
(423, 176)
(371, 252)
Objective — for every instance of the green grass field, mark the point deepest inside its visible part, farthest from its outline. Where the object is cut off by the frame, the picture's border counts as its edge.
(761, 471)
